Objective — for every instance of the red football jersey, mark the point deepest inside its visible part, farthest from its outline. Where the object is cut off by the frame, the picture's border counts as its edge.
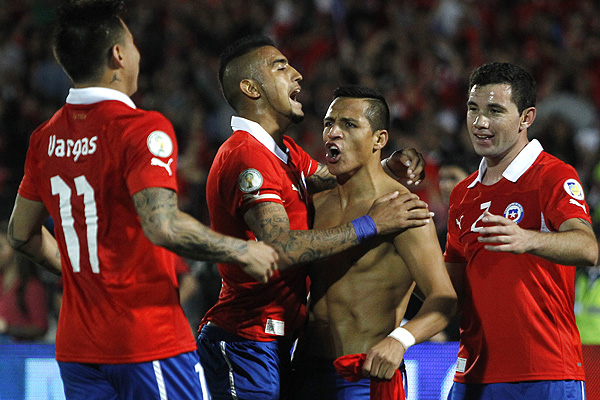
(518, 322)
(120, 300)
(248, 169)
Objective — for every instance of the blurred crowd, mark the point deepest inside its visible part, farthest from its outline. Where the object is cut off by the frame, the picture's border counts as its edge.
(418, 53)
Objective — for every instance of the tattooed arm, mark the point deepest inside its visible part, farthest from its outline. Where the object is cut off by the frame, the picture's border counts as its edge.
(270, 223)
(166, 226)
(321, 180)
(27, 234)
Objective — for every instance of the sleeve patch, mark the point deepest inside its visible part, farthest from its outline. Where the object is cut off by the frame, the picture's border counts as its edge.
(160, 144)
(573, 189)
(250, 180)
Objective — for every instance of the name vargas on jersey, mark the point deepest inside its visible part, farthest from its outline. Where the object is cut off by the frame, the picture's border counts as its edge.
(71, 148)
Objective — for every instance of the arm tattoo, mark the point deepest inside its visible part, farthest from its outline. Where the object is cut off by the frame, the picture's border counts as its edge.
(14, 242)
(155, 206)
(270, 223)
(35, 256)
(321, 180)
(166, 226)
(583, 221)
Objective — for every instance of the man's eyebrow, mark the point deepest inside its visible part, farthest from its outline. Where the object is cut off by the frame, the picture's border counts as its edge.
(343, 119)
(494, 105)
(279, 61)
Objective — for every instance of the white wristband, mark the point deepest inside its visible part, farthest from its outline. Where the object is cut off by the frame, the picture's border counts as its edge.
(403, 336)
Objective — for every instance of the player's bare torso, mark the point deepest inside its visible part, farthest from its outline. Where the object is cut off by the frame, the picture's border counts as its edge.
(357, 296)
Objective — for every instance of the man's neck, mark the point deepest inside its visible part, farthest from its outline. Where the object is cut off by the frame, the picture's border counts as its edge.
(273, 126)
(110, 81)
(361, 185)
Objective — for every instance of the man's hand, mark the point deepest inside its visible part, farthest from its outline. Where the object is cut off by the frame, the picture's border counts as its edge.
(406, 164)
(259, 261)
(395, 212)
(383, 359)
(505, 235)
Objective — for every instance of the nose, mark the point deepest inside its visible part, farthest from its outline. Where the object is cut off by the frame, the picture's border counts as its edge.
(481, 121)
(296, 76)
(333, 131)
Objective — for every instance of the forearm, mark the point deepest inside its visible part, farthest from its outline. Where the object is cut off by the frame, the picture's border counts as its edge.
(574, 244)
(27, 234)
(166, 226)
(575, 247)
(301, 247)
(41, 248)
(433, 316)
(186, 237)
(270, 224)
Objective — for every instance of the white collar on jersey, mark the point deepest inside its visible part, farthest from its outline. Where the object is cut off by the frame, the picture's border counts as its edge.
(259, 133)
(91, 95)
(518, 166)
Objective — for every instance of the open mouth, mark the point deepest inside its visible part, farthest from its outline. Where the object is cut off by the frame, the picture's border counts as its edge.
(294, 94)
(333, 153)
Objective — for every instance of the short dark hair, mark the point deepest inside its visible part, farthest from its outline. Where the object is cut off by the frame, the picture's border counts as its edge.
(377, 112)
(231, 53)
(521, 82)
(240, 47)
(84, 34)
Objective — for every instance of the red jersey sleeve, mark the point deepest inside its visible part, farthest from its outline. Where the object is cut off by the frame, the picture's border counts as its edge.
(150, 154)
(29, 187)
(252, 177)
(301, 158)
(561, 196)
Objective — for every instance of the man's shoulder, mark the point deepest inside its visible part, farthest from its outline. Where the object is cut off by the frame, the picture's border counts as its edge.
(388, 184)
(139, 116)
(242, 142)
(547, 161)
(549, 169)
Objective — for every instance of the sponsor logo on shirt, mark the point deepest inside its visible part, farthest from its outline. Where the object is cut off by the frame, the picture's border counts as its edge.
(160, 144)
(573, 189)
(71, 148)
(250, 180)
(578, 204)
(514, 212)
(160, 163)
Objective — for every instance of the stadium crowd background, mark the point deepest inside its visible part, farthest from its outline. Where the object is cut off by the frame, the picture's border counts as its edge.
(418, 53)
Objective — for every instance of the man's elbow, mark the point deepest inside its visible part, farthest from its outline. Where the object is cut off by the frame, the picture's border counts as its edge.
(158, 236)
(590, 253)
(592, 256)
(450, 305)
(450, 301)
(14, 242)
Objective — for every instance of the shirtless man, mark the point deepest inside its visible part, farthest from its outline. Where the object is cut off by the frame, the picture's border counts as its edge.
(356, 306)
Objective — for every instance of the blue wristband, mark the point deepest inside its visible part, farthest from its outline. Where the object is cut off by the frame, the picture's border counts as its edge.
(364, 227)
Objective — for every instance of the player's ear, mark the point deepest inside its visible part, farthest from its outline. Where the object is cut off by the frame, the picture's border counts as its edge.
(527, 117)
(380, 139)
(250, 88)
(116, 57)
